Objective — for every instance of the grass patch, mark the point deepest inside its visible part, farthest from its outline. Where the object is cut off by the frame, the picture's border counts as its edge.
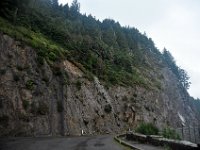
(45, 47)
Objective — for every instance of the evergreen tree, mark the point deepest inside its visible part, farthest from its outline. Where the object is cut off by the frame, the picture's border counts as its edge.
(180, 73)
(55, 4)
(184, 79)
(169, 59)
(65, 10)
(75, 9)
(111, 52)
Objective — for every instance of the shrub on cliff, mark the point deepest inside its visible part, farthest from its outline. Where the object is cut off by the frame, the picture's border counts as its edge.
(147, 129)
(170, 133)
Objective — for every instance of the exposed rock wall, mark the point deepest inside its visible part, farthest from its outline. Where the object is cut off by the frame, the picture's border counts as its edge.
(58, 99)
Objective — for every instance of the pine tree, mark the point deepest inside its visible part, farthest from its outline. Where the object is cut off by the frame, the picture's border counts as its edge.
(55, 4)
(184, 78)
(75, 9)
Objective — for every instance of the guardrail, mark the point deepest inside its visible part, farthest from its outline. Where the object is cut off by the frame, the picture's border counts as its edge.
(189, 133)
(156, 141)
(117, 138)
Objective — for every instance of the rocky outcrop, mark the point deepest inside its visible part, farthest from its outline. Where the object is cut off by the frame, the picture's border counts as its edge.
(59, 99)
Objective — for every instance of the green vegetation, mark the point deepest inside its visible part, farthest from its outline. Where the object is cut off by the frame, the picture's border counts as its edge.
(65, 78)
(147, 129)
(44, 46)
(78, 84)
(115, 54)
(180, 73)
(167, 147)
(30, 84)
(170, 133)
(25, 104)
(57, 70)
(150, 129)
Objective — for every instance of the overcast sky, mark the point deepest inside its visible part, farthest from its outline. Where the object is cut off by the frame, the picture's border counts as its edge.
(173, 24)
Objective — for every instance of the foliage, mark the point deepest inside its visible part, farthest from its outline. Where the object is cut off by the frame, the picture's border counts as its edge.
(167, 147)
(184, 78)
(180, 73)
(25, 104)
(45, 47)
(106, 49)
(30, 84)
(170, 133)
(65, 78)
(57, 70)
(135, 95)
(147, 129)
(78, 84)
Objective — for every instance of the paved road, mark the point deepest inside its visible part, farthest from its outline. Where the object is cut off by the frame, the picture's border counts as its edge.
(145, 146)
(104, 142)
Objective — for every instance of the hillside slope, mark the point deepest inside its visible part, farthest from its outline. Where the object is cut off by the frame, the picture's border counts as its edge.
(60, 99)
(65, 73)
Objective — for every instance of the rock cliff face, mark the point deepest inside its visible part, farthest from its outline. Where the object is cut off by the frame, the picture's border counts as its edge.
(58, 99)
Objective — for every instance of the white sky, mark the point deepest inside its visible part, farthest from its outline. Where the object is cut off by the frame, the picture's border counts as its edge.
(173, 24)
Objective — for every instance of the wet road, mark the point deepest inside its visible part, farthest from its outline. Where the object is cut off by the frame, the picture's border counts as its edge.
(103, 142)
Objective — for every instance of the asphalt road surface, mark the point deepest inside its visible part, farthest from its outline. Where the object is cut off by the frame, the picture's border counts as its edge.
(103, 142)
